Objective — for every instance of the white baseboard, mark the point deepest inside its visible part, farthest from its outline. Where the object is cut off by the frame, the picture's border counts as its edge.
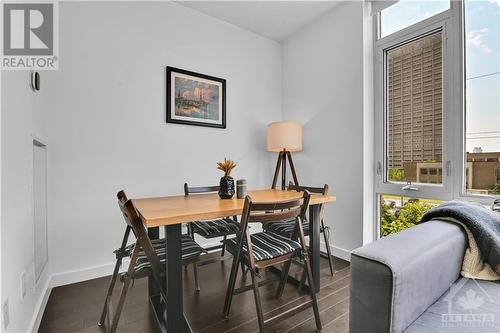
(341, 253)
(40, 308)
(79, 275)
(337, 251)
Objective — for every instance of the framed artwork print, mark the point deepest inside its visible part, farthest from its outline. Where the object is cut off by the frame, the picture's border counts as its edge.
(195, 99)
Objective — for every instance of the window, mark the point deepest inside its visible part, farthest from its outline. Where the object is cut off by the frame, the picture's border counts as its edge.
(414, 109)
(413, 83)
(448, 148)
(408, 12)
(413, 77)
(482, 106)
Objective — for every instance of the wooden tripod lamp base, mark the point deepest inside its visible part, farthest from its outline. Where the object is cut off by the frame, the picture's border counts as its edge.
(283, 156)
(284, 138)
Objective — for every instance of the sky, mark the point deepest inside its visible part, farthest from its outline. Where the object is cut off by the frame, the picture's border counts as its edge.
(482, 35)
(482, 27)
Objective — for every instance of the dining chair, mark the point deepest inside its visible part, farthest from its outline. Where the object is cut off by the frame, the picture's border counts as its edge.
(209, 229)
(147, 258)
(263, 249)
(120, 253)
(286, 228)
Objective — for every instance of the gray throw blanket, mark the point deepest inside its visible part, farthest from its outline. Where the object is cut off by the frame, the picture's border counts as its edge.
(483, 223)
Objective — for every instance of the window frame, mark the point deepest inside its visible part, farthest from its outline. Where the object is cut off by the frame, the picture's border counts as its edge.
(443, 21)
(379, 21)
(460, 189)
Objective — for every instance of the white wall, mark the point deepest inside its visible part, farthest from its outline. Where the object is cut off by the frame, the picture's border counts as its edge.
(23, 117)
(323, 89)
(103, 117)
(107, 125)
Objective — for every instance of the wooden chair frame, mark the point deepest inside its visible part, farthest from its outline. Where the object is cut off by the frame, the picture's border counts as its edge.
(156, 270)
(323, 229)
(265, 213)
(120, 253)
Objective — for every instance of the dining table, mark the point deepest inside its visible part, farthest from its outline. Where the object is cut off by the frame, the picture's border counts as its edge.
(170, 212)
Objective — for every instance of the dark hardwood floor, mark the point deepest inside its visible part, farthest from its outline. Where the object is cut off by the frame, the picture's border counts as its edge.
(76, 307)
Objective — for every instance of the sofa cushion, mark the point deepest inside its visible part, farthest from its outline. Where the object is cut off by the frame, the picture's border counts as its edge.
(468, 306)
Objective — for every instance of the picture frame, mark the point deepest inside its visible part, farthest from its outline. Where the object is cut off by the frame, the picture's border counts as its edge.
(195, 99)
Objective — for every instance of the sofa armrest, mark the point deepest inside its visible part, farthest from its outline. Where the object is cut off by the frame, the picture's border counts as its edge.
(395, 279)
(370, 296)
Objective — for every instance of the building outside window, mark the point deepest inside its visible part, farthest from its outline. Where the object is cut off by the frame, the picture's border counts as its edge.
(414, 110)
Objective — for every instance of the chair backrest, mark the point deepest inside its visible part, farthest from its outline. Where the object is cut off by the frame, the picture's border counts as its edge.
(200, 189)
(265, 212)
(272, 212)
(122, 196)
(142, 239)
(319, 190)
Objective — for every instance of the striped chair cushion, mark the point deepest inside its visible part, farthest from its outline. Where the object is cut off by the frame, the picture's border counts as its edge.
(216, 228)
(266, 245)
(190, 250)
(285, 228)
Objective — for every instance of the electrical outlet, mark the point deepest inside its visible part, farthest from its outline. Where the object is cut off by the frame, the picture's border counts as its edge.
(23, 285)
(5, 314)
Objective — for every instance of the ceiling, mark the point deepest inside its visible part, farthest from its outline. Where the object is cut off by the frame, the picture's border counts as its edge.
(273, 19)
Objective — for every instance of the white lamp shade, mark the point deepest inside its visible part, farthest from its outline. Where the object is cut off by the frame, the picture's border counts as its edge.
(284, 135)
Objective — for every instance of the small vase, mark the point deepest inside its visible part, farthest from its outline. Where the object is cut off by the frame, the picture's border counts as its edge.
(226, 190)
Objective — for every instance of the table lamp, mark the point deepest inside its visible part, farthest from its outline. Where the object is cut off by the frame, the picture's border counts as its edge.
(284, 138)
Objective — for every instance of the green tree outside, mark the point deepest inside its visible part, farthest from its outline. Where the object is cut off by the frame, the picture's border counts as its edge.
(408, 216)
(397, 175)
(496, 188)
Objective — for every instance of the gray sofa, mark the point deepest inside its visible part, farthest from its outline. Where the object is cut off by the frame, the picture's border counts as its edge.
(410, 282)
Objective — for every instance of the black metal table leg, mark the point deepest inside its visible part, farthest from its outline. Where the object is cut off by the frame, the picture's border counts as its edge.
(175, 319)
(314, 242)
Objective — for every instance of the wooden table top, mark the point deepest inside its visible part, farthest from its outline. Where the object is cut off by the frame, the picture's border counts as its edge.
(169, 210)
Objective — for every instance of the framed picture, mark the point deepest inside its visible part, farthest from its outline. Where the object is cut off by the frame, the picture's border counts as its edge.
(195, 99)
